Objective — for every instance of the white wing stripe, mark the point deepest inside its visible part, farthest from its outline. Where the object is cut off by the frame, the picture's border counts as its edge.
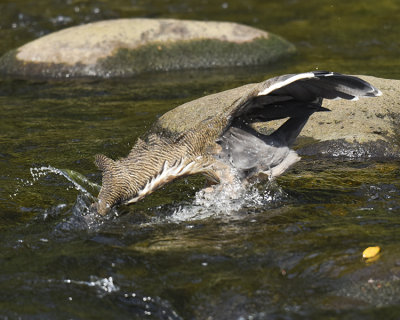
(277, 85)
(176, 170)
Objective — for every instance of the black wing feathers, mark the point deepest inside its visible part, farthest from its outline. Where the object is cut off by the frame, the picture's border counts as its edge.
(302, 94)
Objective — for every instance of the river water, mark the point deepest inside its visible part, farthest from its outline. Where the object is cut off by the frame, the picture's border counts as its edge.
(289, 249)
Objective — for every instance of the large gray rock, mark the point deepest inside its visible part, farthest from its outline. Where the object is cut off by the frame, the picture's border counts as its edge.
(363, 128)
(358, 129)
(126, 47)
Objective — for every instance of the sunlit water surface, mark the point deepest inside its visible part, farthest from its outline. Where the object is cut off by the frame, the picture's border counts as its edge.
(284, 249)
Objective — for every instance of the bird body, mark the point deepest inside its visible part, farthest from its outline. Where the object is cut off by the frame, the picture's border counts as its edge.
(214, 136)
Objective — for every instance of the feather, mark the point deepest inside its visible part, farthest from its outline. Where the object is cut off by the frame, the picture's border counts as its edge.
(221, 144)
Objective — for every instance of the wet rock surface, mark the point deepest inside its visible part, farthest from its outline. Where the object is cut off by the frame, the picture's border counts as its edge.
(358, 129)
(125, 47)
(352, 129)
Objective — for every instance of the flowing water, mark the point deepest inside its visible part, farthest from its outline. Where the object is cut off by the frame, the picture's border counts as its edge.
(285, 249)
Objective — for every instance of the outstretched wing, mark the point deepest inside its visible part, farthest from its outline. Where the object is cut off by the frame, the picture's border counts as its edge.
(329, 85)
(159, 160)
(294, 96)
(297, 95)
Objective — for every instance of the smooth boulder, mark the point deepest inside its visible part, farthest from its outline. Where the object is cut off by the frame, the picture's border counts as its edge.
(365, 128)
(126, 47)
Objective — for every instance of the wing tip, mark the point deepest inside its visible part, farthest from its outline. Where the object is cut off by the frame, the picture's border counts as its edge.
(378, 92)
(361, 88)
(369, 91)
(373, 92)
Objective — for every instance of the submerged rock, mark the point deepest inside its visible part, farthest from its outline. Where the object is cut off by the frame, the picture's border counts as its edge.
(126, 47)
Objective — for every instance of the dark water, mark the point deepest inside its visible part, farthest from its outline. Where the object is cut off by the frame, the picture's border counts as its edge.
(290, 249)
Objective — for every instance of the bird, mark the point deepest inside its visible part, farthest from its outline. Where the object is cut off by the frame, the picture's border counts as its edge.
(215, 136)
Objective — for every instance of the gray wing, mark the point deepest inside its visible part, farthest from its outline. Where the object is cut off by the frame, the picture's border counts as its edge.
(246, 150)
(296, 97)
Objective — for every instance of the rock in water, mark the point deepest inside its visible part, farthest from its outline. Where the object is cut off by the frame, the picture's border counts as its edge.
(215, 136)
(126, 47)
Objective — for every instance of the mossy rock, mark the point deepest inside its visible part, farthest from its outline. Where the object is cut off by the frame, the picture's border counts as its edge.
(127, 47)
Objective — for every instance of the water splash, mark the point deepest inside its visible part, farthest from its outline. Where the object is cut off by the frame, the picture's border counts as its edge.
(78, 180)
(227, 201)
(220, 201)
(103, 285)
(74, 177)
(149, 307)
(81, 218)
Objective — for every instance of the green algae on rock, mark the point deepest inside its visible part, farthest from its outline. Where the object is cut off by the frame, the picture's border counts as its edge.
(125, 47)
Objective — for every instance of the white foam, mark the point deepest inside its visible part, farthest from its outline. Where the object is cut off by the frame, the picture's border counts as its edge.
(224, 202)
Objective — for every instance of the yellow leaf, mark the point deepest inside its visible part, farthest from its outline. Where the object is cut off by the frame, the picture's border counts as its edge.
(371, 252)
